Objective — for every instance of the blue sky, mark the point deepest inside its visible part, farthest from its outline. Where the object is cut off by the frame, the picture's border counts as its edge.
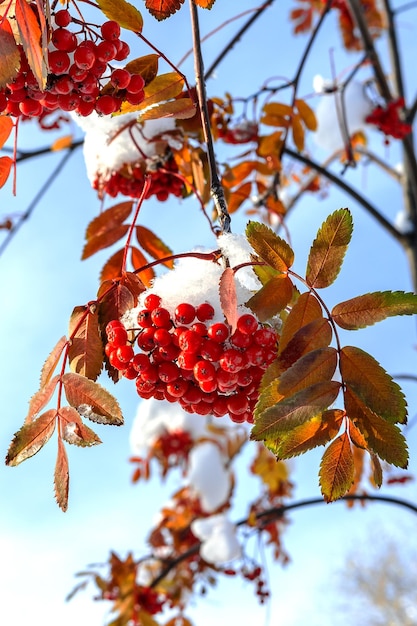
(43, 278)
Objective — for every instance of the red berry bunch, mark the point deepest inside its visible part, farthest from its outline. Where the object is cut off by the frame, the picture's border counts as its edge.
(79, 69)
(388, 119)
(243, 132)
(129, 181)
(187, 359)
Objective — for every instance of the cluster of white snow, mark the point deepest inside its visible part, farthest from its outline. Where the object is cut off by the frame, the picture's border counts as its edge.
(207, 473)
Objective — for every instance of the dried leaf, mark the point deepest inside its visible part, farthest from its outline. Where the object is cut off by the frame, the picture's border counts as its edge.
(204, 4)
(61, 477)
(40, 399)
(373, 307)
(74, 431)
(337, 469)
(6, 124)
(5, 167)
(153, 245)
(52, 361)
(297, 132)
(307, 309)
(180, 109)
(373, 385)
(272, 298)
(123, 13)
(328, 249)
(307, 114)
(9, 55)
(31, 35)
(294, 410)
(161, 9)
(85, 352)
(146, 66)
(92, 400)
(238, 196)
(139, 260)
(271, 248)
(31, 438)
(228, 297)
(113, 267)
(376, 471)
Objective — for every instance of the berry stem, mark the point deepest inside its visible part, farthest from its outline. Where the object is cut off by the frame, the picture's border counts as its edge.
(146, 187)
(205, 256)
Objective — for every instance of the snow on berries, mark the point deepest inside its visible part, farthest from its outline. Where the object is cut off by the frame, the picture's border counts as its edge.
(119, 151)
(82, 75)
(179, 348)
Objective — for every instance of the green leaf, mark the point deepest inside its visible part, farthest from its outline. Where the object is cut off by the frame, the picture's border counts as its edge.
(328, 249)
(337, 469)
(382, 438)
(123, 13)
(31, 438)
(272, 298)
(92, 400)
(373, 385)
(271, 248)
(374, 307)
(295, 410)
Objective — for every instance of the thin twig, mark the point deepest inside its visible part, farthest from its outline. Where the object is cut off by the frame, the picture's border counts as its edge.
(216, 188)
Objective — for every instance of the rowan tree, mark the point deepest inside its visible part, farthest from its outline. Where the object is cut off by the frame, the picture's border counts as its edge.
(230, 347)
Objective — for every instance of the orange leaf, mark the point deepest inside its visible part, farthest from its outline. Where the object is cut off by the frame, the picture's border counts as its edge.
(272, 298)
(164, 87)
(298, 132)
(307, 115)
(204, 4)
(104, 240)
(6, 126)
(305, 310)
(238, 173)
(62, 143)
(61, 477)
(337, 469)
(139, 260)
(146, 66)
(91, 400)
(52, 361)
(40, 399)
(9, 55)
(316, 334)
(374, 307)
(181, 109)
(73, 429)
(271, 248)
(238, 196)
(109, 219)
(123, 13)
(228, 297)
(161, 9)
(85, 353)
(153, 245)
(277, 108)
(5, 167)
(31, 438)
(314, 367)
(113, 266)
(30, 34)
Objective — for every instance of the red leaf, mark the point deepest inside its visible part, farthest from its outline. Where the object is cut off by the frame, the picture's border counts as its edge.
(228, 297)
(6, 125)
(40, 399)
(139, 260)
(204, 4)
(61, 477)
(92, 400)
(153, 245)
(85, 352)
(161, 9)
(5, 167)
(52, 361)
(113, 267)
(31, 438)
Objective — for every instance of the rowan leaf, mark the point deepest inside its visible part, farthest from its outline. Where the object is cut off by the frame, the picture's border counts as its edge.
(314, 367)
(373, 385)
(316, 432)
(263, 272)
(6, 124)
(139, 260)
(294, 410)
(382, 438)
(85, 353)
(91, 400)
(61, 477)
(52, 361)
(237, 174)
(373, 307)
(115, 300)
(228, 297)
(316, 334)
(376, 471)
(113, 266)
(180, 109)
(307, 114)
(272, 298)
(9, 55)
(163, 87)
(31, 36)
(277, 108)
(146, 66)
(62, 143)
(271, 248)
(161, 9)
(297, 132)
(307, 309)
(74, 431)
(328, 249)
(31, 438)
(123, 13)
(40, 399)
(134, 284)
(204, 4)
(337, 469)
(238, 196)
(153, 245)
(5, 167)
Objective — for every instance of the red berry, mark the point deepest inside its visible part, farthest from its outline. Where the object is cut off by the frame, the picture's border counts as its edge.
(247, 324)
(204, 371)
(218, 332)
(152, 301)
(120, 78)
(116, 362)
(187, 360)
(150, 375)
(237, 404)
(240, 340)
(205, 312)
(125, 353)
(184, 313)
(123, 50)
(106, 51)
(136, 98)
(62, 18)
(63, 39)
(141, 362)
(178, 387)
(86, 108)
(69, 101)
(145, 339)
(189, 341)
(106, 105)
(200, 329)
(265, 337)
(84, 57)
(63, 85)
(162, 337)
(211, 350)
(168, 372)
(161, 317)
(59, 62)
(110, 30)
(136, 84)
(30, 107)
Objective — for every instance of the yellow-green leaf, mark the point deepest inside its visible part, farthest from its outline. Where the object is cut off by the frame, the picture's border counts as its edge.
(328, 249)
(337, 469)
(123, 13)
(373, 307)
(372, 384)
(271, 248)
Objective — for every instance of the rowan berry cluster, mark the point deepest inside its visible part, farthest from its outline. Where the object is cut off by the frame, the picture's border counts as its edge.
(129, 181)
(81, 78)
(388, 119)
(184, 358)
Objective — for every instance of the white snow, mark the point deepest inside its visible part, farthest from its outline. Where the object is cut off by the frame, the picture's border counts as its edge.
(218, 536)
(208, 476)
